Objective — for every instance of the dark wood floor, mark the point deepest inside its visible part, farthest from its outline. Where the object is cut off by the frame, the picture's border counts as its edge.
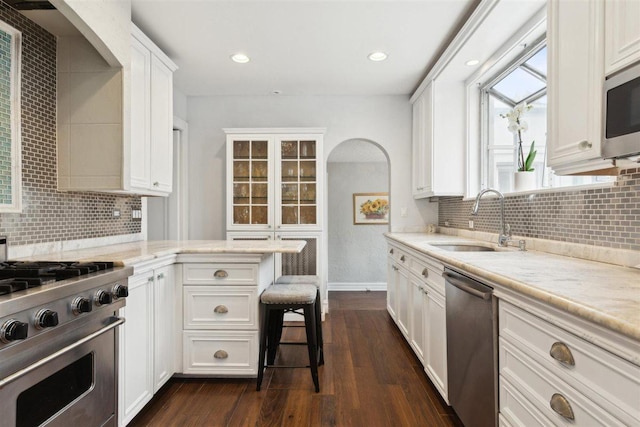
(370, 378)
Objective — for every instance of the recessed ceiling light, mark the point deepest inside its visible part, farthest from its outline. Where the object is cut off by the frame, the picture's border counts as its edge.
(472, 62)
(377, 56)
(240, 58)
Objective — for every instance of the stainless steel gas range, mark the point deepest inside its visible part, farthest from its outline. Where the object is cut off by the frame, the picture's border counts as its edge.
(58, 342)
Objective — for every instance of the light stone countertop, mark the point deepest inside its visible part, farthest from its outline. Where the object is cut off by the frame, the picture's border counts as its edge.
(605, 294)
(147, 250)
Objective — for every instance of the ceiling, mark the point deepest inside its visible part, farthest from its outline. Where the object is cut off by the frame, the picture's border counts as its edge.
(300, 47)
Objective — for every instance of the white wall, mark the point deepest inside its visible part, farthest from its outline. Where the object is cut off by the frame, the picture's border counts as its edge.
(357, 253)
(179, 104)
(385, 120)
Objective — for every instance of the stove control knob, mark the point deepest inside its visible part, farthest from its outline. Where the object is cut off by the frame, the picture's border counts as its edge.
(103, 298)
(46, 319)
(81, 305)
(13, 330)
(120, 291)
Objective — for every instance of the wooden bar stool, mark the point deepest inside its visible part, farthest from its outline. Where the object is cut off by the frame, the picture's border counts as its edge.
(274, 302)
(315, 281)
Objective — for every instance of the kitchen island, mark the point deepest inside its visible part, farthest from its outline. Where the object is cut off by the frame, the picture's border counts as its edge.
(192, 309)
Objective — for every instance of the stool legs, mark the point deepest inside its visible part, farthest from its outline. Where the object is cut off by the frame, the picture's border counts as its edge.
(264, 327)
(320, 341)
(310, 327)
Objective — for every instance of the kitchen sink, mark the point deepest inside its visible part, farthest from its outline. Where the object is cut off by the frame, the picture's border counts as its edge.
(463, 248)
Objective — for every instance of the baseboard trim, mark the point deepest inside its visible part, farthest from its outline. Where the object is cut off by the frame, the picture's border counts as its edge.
(356, 286)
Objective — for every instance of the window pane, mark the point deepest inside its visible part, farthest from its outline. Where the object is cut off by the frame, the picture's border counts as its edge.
(539, 61)
(518, 85)
(499, 135)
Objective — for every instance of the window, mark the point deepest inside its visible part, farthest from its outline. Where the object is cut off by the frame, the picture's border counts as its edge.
(524, 80)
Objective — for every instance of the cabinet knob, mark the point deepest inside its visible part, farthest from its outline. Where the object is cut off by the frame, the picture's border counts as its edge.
(394, 267)
(561, 352)
(150, 279)
(561, 406)
(156, 183)
(220, 354)
(160, 276)
(584, 145)
(402, 258)
(425, 272)
(391, 251)
(420, 188)
(220, 274)
(221, 309)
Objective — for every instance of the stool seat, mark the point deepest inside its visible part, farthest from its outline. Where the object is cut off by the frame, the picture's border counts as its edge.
(289, 294)
(294, 280)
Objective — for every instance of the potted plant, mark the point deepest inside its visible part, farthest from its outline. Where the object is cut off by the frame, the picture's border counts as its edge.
(524, 178)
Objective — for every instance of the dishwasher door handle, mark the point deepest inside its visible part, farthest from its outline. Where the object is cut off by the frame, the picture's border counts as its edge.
(463, 285)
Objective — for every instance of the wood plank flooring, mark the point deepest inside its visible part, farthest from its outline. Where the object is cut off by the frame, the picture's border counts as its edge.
(370, 378)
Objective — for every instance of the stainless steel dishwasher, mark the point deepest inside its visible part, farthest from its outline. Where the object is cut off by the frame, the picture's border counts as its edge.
(471, 349)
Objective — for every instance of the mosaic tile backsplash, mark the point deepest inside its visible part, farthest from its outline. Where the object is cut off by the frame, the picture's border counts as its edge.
(47, 214)
(608, 217)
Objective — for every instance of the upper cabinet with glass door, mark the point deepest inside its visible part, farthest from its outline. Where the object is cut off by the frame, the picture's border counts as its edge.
(274, 179)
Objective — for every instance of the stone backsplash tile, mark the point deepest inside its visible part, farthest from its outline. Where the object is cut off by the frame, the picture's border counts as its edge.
(608, 217)
(49, 215)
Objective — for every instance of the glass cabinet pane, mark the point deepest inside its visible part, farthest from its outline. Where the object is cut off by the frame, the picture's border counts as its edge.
(289, 171)
(289, 149)
(307, 171)
(307, 149)
(307, 215)
(290, 215)
(307, 193)
(289, 194)
(250, 182)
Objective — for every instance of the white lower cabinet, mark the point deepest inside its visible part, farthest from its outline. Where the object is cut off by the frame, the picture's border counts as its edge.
(146, 340)
(550, 376)
(220, 323)
(416, 302)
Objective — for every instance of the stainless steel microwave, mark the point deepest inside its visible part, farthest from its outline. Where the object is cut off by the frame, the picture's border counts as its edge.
(621, 127)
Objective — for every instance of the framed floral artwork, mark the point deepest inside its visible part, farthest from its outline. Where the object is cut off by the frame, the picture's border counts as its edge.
(370, 208)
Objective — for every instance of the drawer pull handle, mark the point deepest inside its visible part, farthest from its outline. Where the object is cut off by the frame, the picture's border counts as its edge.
(220, 274)
(425, 272)
(562, 353)
(402, 258)
(585, 145)
(220, 354)
(391, 251)
(561, 406)
(221, 309)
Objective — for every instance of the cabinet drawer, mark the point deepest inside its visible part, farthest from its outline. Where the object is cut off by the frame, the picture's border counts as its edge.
(220, 307)
(539, 386)
(515, 410)
(220, 353)
(431, 273)
(608, 380)
(399, 256)
(223, 274)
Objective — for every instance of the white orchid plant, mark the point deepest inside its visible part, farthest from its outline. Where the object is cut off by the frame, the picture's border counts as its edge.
(517, 126)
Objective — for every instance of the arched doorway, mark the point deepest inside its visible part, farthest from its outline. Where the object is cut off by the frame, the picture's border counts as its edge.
(356, 252)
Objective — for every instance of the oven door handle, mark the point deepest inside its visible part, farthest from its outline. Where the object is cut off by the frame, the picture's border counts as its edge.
(11, 378)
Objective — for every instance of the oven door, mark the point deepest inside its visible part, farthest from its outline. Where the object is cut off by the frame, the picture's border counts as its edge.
(73, 386)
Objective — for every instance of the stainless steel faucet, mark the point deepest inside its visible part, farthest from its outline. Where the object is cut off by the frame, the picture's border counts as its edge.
(505, 230)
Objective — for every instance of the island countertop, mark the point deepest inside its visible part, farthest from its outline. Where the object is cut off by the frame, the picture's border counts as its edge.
(605, 294)
(147, 250)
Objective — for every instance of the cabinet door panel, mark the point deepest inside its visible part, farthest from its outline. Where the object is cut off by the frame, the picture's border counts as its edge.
(164, 296)
(161, 126)
(391, 288)
(436, 342)
(140, 115)
(622, 34)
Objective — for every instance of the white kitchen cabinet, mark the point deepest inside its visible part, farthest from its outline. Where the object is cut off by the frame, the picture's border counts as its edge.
(438, 140)
(151, 117)
(220, 324)
(418, 299)
(164, 295)
(621, 34)
(575, 87)
(114, 123)
(136, 378)
(416, 302)
(274, 179)
(147, 338)
(391, 288)
(546, 370)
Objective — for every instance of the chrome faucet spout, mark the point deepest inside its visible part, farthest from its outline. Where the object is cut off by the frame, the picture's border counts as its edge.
(505, 234)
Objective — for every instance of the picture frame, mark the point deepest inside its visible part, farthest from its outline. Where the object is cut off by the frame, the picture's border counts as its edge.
(370, 208)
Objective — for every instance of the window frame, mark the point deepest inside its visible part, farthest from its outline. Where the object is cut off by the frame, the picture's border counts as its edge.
(484, 89)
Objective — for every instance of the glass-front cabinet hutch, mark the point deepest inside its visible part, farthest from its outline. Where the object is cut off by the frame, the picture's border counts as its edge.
(275, 191)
